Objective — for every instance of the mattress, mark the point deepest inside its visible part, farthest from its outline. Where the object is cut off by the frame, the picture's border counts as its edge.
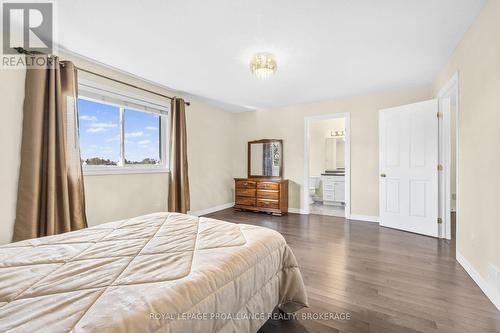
(163, 272)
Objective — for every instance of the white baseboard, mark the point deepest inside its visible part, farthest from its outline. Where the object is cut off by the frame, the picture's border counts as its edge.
(231, 204)
(493, 295)
(296, 210)
(365, 218)
(211, 209)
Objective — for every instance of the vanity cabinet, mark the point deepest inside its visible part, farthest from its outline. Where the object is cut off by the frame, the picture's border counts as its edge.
(333, 190)
(261, 195)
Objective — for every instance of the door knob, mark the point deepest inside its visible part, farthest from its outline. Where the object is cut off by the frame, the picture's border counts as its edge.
(383, 175)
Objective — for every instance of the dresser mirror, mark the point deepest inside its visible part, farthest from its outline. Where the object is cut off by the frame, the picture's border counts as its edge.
(265, 158)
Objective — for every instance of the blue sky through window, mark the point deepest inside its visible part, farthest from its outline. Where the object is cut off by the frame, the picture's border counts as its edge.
(142, 136)
(99, 130)
(100, 134)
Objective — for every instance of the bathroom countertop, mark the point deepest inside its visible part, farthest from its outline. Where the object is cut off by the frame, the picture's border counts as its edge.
(334, 174)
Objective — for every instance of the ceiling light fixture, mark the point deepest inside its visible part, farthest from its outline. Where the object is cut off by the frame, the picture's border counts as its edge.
(263, 65)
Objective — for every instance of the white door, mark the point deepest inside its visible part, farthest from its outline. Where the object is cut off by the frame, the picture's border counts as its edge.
(408, 180)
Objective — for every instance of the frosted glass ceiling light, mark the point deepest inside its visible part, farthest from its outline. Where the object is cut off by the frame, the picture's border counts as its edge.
(263, 65)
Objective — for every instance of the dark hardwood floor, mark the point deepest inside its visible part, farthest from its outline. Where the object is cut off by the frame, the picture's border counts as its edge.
(387, 280)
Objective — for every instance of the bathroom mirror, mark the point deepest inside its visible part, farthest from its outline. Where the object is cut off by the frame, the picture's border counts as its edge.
(265, 158)
(340, 154)
(334, 154)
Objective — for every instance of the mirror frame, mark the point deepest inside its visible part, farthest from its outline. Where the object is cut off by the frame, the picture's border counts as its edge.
(249, 156)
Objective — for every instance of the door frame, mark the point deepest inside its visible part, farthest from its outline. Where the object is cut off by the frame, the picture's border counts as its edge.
(305, 188)
(450, 87)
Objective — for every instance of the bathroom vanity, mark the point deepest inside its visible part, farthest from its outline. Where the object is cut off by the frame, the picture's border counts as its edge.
(333, 188)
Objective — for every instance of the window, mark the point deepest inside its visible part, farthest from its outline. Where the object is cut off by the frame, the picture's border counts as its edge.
(120, 133)
(99, 133)
(142, 137)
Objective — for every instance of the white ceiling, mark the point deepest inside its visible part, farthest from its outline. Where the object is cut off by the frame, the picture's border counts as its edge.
(325, 49)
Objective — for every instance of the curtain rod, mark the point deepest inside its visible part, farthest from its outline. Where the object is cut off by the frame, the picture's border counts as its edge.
(23, 51)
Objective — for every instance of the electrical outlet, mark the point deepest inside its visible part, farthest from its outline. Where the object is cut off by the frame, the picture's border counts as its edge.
(494, 277)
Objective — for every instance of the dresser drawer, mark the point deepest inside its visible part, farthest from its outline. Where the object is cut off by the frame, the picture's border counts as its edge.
(266, 194)
(245, 183)
(268, 186)
(245, 192)
(264, 203)
(245, 201)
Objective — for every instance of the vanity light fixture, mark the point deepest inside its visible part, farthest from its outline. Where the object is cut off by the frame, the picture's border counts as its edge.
(337, 134)
(263, 65)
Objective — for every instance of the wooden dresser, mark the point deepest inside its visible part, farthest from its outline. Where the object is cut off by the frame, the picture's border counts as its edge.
(261, 195)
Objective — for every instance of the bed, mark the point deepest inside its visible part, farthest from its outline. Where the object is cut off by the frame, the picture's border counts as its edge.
(163, 272)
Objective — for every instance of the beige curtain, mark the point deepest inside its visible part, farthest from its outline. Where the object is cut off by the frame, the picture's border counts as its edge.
(178, 194)
(50, 197)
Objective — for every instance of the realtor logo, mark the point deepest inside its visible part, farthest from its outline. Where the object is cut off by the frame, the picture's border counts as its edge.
(27, 25)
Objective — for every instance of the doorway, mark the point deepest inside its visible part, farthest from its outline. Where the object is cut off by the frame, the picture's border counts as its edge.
(418, 151)
(327, 165)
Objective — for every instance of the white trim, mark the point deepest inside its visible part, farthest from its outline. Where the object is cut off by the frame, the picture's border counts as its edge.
(117, 170)
(165, 142)
(297, 211)
(365, 218)
(211, 209)
(451, 87)
(444, 159)
(305, 187)
(452, 82)
(231, 204)
(111, 95)
(478, 279)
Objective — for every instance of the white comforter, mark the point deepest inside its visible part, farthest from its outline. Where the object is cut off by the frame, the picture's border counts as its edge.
(162, 272)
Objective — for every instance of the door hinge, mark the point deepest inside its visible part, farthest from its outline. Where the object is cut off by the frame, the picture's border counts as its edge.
(440, 220)
(440, 167)
(439, 114)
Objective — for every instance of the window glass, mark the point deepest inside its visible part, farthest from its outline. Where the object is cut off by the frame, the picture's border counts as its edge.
(99, 133)
(142, 137)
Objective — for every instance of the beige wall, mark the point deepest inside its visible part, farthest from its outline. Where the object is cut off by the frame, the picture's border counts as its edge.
(210, 146)
(111, 197)
(477, 59)
(11, 118)
(287, 123)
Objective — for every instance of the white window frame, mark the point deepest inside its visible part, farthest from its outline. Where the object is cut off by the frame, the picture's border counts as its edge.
(163, 111)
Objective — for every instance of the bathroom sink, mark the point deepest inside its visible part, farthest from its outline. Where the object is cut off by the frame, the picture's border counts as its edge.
(334, 173)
